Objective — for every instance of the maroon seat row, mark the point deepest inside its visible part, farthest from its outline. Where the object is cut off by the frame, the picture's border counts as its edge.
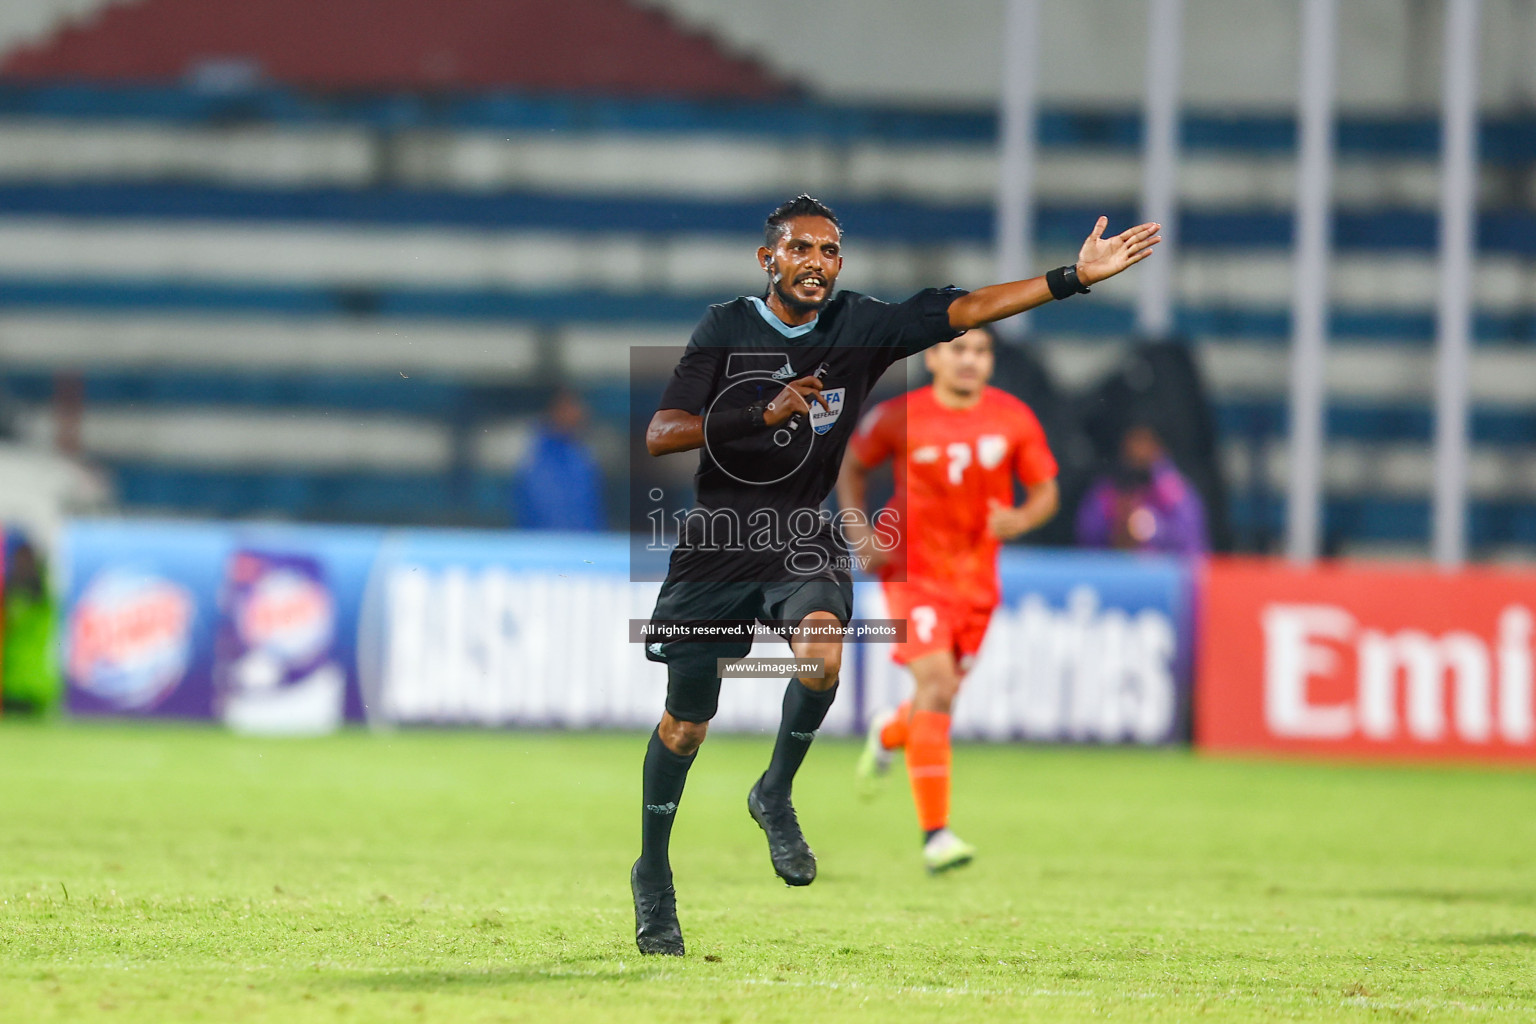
(603, 46)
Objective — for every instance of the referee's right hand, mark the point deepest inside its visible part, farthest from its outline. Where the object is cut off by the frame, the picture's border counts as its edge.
(793, 399)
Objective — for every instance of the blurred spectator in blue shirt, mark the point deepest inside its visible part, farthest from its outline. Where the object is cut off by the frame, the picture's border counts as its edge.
(1145, 504)
(559, 485)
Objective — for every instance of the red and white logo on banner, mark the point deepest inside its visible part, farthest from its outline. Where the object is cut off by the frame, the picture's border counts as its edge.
(1401, 663)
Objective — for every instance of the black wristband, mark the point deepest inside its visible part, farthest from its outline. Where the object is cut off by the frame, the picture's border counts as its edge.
(734, 423)
(1063, 282)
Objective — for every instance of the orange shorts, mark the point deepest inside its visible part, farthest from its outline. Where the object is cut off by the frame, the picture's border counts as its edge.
(934, 624)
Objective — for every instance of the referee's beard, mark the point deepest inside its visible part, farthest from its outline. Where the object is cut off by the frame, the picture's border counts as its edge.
(796, 305)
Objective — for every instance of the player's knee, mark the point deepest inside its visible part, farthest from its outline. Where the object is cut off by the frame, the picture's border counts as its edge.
(935, 688)
(828, 652)
(949, 686)
(933, 700)
(831, 658)
(680, 737)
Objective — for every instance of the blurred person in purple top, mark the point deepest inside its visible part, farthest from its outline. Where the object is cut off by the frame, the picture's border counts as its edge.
(559, 485)
(1145, 504)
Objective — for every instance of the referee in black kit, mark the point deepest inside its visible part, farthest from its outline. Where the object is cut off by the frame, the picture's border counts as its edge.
(770, 389)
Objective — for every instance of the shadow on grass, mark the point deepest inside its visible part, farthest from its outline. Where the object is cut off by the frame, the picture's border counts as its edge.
(1492, 939)
(584, 969)
(1512, 897)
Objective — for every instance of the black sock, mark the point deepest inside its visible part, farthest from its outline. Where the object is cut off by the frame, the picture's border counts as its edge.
(930, 833)
(804, 710)
(665, 773)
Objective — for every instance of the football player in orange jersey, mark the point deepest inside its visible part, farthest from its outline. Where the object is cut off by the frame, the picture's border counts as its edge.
(957, 446)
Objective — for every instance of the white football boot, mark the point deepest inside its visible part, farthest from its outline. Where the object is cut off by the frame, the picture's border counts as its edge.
(945, 850)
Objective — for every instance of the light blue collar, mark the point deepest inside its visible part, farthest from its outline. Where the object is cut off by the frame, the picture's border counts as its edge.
(777, 324)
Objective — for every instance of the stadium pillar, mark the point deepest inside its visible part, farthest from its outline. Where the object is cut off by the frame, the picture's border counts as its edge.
(1160, 162)
(1016, 151)
(1309, 279)
(1458, 207)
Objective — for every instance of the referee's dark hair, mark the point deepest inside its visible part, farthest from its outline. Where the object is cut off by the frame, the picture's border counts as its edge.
(800, 206)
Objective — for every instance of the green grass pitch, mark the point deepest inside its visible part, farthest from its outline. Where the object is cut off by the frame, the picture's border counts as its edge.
(170, 874)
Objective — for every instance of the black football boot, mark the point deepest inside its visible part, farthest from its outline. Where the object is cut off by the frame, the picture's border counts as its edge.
(792, 857)
(656, 927)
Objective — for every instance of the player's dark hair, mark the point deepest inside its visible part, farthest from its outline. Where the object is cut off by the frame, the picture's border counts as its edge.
(800, 206)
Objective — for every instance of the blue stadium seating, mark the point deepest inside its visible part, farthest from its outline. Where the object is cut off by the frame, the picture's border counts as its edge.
(1502, 140)
(461, 494)
(1500, 231)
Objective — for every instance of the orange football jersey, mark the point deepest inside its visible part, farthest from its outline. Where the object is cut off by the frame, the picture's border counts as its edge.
(950, 465)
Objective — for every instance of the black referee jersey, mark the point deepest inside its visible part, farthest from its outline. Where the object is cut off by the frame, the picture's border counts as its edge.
(759, 497)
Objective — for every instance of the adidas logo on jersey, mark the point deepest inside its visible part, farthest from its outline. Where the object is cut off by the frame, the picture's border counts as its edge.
(785, 372)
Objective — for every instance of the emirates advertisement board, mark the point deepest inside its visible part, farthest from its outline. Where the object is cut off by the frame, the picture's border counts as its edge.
(1366, 661)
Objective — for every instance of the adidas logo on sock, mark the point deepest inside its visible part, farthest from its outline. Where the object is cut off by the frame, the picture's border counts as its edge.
(804, 737)
(667, 808)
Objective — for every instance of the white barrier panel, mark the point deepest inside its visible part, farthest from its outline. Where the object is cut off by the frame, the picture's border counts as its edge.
(459, 643)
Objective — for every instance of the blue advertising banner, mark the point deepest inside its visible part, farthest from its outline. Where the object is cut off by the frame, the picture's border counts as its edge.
(140, 603)
(275, 663)
(295, 629)
(155, 613)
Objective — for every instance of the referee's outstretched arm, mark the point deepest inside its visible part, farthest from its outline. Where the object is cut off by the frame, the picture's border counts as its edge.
(1100, 258)
(676, 430)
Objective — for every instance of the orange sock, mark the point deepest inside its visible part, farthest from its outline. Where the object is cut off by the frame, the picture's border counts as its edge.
(928, 758)
(894, 735)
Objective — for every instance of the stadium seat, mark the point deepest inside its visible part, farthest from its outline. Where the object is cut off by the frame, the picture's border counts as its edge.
(239, 248)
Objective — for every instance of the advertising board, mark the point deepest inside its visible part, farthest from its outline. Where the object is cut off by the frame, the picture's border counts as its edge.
(1086, 648)
(1366, 661)
(253, 625)
(487, 629)
(289, 629)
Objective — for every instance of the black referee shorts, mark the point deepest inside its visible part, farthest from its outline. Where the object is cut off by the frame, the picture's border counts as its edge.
(693, 686)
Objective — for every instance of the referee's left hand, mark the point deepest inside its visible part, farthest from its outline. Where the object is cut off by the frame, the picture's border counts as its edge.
(1101, 258)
